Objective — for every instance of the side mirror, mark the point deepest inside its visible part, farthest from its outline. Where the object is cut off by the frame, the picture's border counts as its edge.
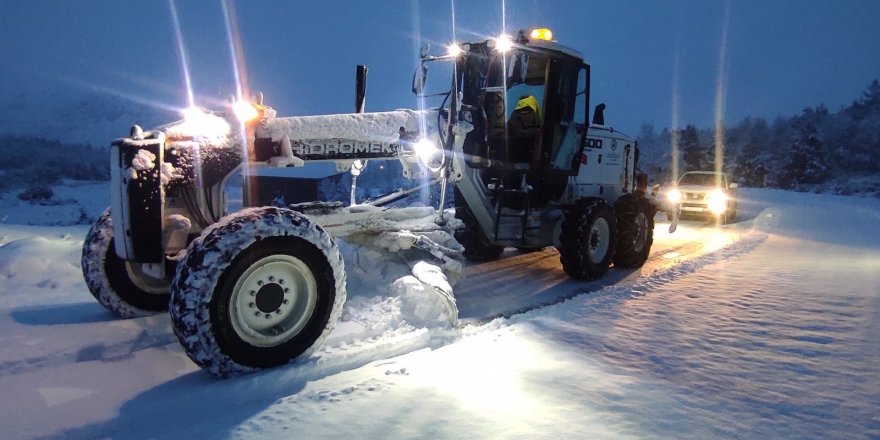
(419, 77)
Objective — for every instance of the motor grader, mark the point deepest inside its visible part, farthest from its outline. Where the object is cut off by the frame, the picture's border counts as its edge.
(264, 285)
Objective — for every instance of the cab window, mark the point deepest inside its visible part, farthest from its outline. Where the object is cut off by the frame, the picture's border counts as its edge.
(570, 127)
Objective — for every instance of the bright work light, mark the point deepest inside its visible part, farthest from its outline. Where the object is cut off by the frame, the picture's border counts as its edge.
(453, 50)
(425, 149)
(503, 43)
(244, 111)
(201, 124)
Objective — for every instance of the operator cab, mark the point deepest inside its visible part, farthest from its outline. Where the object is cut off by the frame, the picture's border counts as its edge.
(531, 96)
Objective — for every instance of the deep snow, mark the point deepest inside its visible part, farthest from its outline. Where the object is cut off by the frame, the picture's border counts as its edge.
(766, 328)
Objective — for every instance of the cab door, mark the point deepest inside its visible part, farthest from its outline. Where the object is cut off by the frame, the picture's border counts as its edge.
(566, 126)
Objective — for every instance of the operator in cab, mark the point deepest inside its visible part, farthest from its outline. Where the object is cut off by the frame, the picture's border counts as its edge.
(527, 106)
(523, 127)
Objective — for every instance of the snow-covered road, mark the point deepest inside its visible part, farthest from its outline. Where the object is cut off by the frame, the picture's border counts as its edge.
(767, 328)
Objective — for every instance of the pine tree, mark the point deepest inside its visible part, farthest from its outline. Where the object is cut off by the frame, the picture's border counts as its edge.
(870, 101)
(693, 154)
(860, 147)
(804, 163)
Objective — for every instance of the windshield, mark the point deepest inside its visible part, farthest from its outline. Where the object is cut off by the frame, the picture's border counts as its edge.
(518, 81)
(701, 179)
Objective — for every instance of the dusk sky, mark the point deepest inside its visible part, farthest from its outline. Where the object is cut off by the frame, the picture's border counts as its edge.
(781, 56)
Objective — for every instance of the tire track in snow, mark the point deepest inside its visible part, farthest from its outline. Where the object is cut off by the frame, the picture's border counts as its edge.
(397, 342)
(643, 285)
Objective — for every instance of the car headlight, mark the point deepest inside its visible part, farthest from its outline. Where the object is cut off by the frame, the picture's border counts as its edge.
(717, 202)
(674, 196)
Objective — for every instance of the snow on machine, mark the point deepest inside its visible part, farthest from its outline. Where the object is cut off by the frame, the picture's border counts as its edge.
(259, 287)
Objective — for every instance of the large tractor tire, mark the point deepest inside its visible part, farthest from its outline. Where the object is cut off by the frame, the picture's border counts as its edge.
(256, 290)
(121, 287)
(471, 236)
(635, 231)
(588, 239)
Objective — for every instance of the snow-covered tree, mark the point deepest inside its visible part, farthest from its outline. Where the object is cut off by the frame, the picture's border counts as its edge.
(655, 153)
(804, 162)
(748, 152)
(860, 148)
(694, 155)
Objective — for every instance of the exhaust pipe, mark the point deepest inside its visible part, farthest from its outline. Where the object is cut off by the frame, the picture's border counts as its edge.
(360, 91)
(599, 114)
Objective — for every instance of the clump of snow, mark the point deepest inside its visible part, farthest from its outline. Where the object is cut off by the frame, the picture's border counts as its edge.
(426, 297)
(401, 268)
(168, 173)
(143, 160)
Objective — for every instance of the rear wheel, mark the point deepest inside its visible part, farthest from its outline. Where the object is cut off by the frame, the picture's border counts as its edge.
(635, 231)
(588, 239)
(263, 287)
(118, 285)
(471, 236)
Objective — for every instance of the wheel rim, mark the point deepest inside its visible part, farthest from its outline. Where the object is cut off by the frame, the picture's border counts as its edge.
(145, 282)
(273, 300)
(641, 227)
(600, 238)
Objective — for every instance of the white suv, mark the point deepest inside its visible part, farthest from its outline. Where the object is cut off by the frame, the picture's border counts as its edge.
(704, 194)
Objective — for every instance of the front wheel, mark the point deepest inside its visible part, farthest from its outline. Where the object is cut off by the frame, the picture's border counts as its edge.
(264, 286)
(588, 239)
(118, 285)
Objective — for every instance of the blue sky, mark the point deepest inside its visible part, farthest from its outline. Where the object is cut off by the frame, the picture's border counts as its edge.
(782, 55)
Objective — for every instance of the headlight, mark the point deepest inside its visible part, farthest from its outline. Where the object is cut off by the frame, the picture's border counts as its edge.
(199, 124)
(503, 43)
(244, 111)
(453, 50)
(425, 150)
(674, 196)
(717, 202)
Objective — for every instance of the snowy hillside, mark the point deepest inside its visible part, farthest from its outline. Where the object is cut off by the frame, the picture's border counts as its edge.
(99, 117)
(766, 328)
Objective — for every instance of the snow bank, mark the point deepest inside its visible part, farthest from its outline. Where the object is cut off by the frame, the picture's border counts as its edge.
(401, 268)
(37, 268)
(73, 203)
